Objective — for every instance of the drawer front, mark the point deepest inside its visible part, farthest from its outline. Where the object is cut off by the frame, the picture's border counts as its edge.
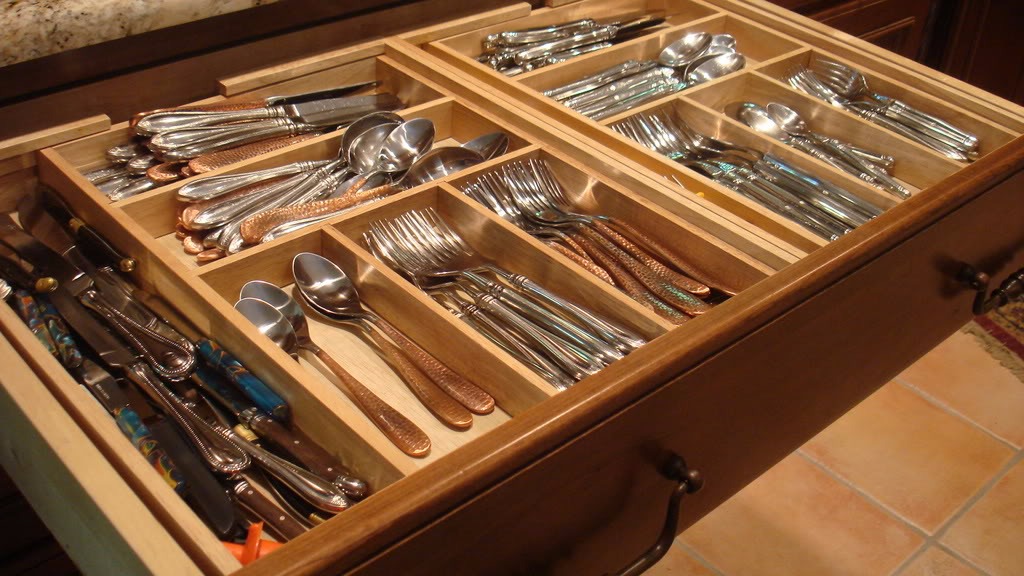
(597, 502)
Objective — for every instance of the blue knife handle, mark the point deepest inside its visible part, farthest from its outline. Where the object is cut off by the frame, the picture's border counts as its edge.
(260, 394)
(131, 425)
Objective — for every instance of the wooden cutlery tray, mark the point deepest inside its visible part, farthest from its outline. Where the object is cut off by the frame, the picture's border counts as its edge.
(551, 482)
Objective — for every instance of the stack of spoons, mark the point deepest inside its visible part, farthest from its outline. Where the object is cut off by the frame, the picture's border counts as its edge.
(379, 155)
(695, 58)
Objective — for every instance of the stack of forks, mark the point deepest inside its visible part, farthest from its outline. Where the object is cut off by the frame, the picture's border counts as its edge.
(528, 195)
(847, 88)
(557, 339)
(818, 205)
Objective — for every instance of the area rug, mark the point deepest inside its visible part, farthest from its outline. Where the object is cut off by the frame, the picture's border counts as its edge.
(1001, 333)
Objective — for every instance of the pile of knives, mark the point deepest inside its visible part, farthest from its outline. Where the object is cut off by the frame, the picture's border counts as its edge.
(514, 52)
(217, 434)
(180, 142)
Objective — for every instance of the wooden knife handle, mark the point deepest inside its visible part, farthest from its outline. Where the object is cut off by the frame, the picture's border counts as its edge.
(307, 452)
(440, 404)
(468, 394)
(400, 430)
(265, 509)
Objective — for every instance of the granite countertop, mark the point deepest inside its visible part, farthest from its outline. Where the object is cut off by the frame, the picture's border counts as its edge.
(36, 28)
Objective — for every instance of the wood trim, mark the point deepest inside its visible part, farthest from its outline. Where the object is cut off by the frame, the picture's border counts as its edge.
(54, 135)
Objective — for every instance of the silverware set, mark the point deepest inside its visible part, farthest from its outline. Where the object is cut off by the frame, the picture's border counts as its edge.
(785, 125)
(559, 340)
(528, 195)
(848, 88)
(379, 154)
(514, 52)
(329, 292)
(693, 59)
(181, 142)
(818, 205)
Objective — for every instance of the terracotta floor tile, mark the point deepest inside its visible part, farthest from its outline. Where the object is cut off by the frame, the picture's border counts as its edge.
(678, 562)
(991, 533)
(937, 562)
(910, 455)
(797, 520)
(961, 375)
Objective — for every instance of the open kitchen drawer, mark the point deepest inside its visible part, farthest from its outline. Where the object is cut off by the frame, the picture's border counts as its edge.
(568, 482)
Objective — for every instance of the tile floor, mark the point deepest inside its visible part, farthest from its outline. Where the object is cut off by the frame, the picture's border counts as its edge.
(924, 478)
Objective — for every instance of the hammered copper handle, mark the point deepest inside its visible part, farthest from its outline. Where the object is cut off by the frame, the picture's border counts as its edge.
(584, 262)
(468, 394)
(255, 227)
(630, 285)
(689, 481)
(681, 299)
(440, 404)
(400, 430)
(683, 282)
(216, 160)
(669, 256)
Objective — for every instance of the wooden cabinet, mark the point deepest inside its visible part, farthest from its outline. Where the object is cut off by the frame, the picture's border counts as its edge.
(899, 26)
(554, 482)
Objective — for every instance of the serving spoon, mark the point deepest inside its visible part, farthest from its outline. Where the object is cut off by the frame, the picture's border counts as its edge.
(327, 288)
(442, 405)
(400, 430)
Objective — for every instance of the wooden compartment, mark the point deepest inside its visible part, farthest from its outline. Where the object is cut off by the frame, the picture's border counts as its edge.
(365, 65)
(569, 482)
(454, 123)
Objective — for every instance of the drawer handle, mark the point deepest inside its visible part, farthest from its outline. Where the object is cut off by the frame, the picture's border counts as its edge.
(1011, 289)
(689, 481)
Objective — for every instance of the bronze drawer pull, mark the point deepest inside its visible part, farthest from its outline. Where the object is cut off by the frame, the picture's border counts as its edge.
(1011, 289)
(689, 481)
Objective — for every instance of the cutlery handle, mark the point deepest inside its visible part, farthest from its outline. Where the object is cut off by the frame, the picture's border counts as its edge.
(130, 424)
(214, 186)
(221, 454)
(883, 161)
(191, 142)
(305, 450)
(265, 509)
(181, 119)
(255, 227)
(213, 107)
(216, 160)
(679, 299)
(254, 388)
(400, 430)
(683, 282)
(928, 123)
(583, 261)
(468, 394)
(873, 171)
(309, 486)
(442, 405)
(575, 41)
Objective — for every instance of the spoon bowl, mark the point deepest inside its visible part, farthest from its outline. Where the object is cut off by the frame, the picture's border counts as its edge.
(366, 147)
(365, 123)
(716, 66)
(684, 50)
(439, 163)
(270, 322)
(325, 286)
(489, 145)
(758, 118)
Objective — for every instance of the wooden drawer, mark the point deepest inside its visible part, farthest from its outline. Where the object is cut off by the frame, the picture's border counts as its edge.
(560, 482)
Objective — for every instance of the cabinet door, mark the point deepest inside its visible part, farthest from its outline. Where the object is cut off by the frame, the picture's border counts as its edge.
(896, 25)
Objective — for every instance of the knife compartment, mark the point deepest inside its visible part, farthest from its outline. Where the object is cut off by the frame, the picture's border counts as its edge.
(533, 423)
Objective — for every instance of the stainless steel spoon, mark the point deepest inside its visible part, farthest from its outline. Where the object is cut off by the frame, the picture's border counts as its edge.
(400, 430)
(685, 49)
(442, 405)
(489, 145)
(402, 146)
(329, 290)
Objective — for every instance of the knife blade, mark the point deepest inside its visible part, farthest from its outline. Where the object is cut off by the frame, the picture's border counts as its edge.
(170, 353)
(201, 487)
(95, 246)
